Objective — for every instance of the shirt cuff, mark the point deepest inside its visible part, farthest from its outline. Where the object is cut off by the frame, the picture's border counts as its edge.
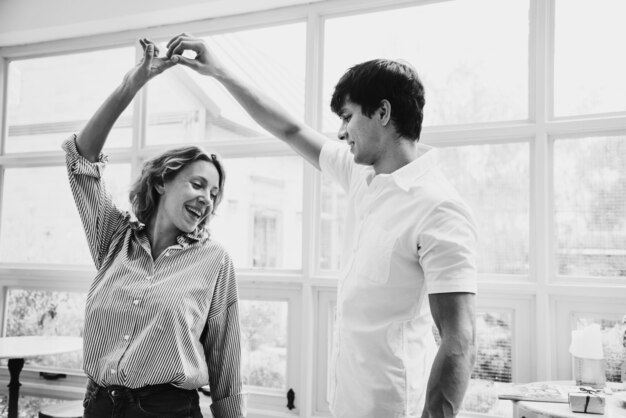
(230, 407)
(79, 165)
(467, 286)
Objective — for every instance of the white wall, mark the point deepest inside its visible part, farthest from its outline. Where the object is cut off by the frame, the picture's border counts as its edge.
(29, 21)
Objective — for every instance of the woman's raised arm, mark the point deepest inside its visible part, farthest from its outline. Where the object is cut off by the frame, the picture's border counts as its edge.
(91, 139)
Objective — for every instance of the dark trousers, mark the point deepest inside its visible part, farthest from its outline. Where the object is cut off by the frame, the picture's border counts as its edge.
(164, 401)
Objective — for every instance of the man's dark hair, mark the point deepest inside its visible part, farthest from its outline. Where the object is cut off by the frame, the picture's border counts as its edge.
(369, 83)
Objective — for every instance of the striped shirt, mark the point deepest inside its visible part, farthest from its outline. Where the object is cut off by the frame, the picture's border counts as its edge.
(170, 320)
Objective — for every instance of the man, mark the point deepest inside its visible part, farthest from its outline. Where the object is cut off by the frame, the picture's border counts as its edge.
(409, 251)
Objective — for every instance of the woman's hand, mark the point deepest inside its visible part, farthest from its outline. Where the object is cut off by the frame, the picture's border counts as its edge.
(205, 61)
(149, 66)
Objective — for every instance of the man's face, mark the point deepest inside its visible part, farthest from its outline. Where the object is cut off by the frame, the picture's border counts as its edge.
(361, 133)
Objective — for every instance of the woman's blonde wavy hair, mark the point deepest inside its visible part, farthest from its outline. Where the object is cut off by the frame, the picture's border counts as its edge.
(143, 195)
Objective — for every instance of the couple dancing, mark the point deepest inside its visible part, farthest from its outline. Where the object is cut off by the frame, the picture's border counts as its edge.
(162, 311)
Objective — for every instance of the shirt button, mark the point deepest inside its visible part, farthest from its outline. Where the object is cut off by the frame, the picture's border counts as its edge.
(167, 253)
(126, 337)
(113, 371)
(149, 278)
(136, 302)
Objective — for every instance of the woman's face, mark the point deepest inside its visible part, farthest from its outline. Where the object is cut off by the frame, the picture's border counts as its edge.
(188, 198)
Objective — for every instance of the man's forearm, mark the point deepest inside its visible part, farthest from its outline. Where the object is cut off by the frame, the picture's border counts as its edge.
(448, 380)
(265, 111)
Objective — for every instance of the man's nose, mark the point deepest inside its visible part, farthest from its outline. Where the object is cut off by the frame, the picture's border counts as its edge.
(343, 133)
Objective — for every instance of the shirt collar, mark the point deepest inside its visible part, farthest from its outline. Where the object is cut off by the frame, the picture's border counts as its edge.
(184, 240)
(405, 176)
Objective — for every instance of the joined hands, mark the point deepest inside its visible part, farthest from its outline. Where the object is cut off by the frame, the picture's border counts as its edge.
(204, 62)
(149, 66)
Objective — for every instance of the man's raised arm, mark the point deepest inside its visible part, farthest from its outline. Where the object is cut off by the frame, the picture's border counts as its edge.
(265, 111)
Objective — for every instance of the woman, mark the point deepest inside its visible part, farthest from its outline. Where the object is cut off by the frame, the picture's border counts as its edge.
(162, 312)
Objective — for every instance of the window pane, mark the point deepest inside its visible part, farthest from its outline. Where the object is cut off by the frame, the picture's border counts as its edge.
(476, 77)
(332, 217)
(613, 340)
(493, 363)
(331, 316)
(494, 336)
(184, 106)
(588, 65)
(264, 343)
(260, 218)
(52, 97)
(52, 313)
(494, 180)
(40, 222)
(590, 206)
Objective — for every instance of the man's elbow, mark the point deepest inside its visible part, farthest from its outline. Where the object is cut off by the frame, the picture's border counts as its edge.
(291, 131)
(462, 344)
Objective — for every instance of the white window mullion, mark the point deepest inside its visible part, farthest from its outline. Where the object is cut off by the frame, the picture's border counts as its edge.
(541, 19)
(4, 78)
(311, 208)
(4, 65)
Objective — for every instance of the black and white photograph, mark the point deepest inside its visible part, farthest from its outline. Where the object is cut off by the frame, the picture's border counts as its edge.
(312, 208)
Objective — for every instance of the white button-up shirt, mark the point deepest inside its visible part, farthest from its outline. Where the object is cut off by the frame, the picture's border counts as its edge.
(407, 234)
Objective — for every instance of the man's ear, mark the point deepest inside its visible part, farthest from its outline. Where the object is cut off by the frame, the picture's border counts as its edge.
(384, 112)
(159, 188)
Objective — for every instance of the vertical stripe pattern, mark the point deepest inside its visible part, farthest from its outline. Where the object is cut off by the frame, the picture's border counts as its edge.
(170, 320)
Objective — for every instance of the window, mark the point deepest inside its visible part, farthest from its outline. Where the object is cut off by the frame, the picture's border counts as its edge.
(186, 107)
(260, 218)
(44, 228)
(476, 77)
(594, 84)
(50, 98)
(590, 206)
(265, 238)
(494, 180)
(39, 312)
(264, 341)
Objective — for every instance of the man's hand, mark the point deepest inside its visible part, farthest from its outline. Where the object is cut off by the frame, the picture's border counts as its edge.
(205, 62)
(149, 66)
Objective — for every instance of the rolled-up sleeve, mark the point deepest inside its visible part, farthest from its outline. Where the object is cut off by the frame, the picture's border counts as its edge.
(100, 217)
(222, 345)
(447, 249)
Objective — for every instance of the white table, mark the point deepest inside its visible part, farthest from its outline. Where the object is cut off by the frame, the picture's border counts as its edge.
(529, 409)
(561, 410)
(16, 349)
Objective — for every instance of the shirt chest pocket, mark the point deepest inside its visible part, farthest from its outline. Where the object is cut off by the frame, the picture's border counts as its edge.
(373, 256)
